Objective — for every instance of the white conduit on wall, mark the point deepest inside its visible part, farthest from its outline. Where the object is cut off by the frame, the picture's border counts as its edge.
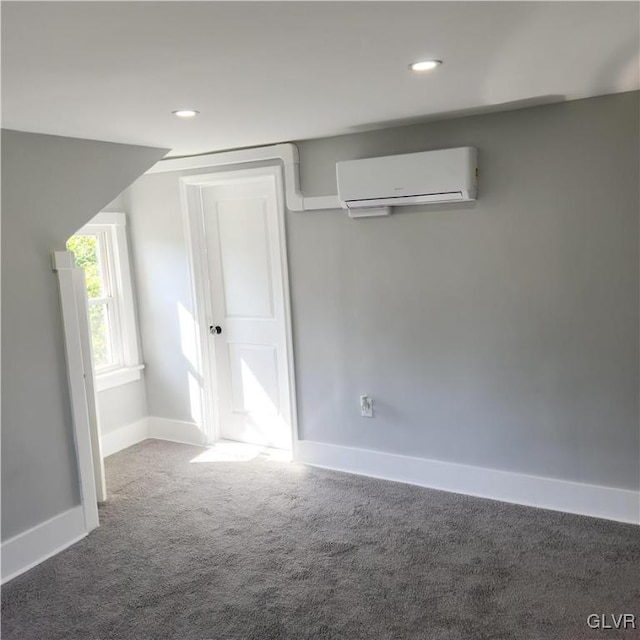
(288, 153)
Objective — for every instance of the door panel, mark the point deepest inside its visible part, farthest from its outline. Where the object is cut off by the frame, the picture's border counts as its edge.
(239, 219)
(245, 259)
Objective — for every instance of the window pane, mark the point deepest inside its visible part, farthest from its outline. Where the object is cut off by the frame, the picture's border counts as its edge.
(100, 334)
(86, 249)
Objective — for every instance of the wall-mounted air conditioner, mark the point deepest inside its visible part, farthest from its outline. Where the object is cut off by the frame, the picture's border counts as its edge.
(448, 175)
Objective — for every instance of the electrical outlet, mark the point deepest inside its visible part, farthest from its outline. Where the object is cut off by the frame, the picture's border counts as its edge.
(366, 407)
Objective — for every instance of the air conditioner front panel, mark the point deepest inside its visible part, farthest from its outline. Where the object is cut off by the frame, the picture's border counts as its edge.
(432, 198)
(414, 178)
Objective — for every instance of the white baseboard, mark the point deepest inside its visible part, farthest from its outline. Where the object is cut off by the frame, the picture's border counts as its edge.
(152, 427)
(547, 493)
(31, 547)
(176, 431)
(124, 437)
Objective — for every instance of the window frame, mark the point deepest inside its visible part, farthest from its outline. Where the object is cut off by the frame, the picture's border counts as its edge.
(111, 231)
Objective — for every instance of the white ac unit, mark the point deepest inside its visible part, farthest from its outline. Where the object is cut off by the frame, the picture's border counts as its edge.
(448, 175)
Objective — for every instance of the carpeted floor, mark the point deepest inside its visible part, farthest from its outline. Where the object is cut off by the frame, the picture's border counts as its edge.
(263, 550)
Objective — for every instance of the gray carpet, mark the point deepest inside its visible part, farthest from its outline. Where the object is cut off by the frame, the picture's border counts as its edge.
(264, 550)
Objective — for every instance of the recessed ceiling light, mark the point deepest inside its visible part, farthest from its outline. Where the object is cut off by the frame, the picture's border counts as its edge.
(185, 113)
(425, 65)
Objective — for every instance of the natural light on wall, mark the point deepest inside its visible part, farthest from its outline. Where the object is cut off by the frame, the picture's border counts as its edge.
(189, 345)
(188, 337)
(195, 398)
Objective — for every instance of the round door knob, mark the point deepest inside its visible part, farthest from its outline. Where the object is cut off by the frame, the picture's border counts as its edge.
(215, 330)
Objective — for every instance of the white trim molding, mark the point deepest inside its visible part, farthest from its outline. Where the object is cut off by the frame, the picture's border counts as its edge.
(152, 427)
(547, 493)
(286, 152)
(75, 323)
(118, 377)
(29, 548)
(177, 431)
(124, 437)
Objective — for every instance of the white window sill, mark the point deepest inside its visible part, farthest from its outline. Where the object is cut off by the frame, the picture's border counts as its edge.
(116, 378)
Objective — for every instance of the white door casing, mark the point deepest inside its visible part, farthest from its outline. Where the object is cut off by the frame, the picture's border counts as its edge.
(235, 229)
(75, 324)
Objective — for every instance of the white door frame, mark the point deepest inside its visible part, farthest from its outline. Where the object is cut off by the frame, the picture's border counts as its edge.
(200, 286)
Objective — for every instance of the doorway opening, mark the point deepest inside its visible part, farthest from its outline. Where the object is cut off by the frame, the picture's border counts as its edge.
(235, 231)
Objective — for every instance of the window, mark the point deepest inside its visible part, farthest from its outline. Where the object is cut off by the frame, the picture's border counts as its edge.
(100, 248)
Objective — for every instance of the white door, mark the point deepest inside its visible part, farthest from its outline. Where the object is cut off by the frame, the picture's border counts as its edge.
(240, 218)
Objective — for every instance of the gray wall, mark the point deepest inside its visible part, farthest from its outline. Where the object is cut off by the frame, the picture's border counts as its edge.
(121, 406)
(502, 334)
(162, 283)
(50, 187)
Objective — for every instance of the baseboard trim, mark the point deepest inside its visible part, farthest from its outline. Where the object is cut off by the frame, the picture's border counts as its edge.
(546, 493)
(176, 431)
(151, 427)
(31, 547)
(124, 437)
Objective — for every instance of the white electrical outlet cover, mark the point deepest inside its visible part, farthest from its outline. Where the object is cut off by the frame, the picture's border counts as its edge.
(366, 406)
